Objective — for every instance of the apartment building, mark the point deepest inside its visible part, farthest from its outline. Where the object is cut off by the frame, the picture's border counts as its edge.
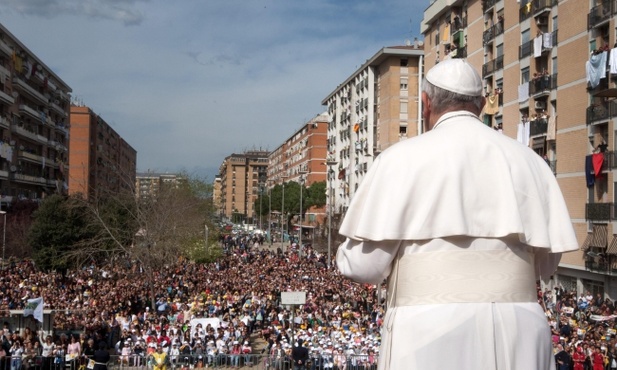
(552, 88)
(374, 108)
(302, 158)
(34, 124)
(102, 162)
(148, 184)
(241, 176)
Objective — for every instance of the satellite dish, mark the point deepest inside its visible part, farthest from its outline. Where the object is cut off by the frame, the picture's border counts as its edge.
(13, 168)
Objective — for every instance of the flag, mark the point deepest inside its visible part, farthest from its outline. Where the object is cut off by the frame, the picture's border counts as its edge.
(34, 307)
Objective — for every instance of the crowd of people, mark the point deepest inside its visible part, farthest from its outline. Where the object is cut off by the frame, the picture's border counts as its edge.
(111, 304)
(339, 324)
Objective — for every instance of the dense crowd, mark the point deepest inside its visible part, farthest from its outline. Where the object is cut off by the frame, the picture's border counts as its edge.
(339, 323)
(111, 304)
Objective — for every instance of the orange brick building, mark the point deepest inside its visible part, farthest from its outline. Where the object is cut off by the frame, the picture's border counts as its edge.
(102, 162)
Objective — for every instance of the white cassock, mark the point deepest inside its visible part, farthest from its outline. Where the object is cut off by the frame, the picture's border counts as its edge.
(462, 221)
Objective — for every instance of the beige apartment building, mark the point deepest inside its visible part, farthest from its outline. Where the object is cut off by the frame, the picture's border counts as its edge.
(551, 87)
(34, 124)
(102, 162)
(148, 184)
(375, 107)
(241, 176)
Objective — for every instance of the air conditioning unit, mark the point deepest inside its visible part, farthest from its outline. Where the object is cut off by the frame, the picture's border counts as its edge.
(540, 105)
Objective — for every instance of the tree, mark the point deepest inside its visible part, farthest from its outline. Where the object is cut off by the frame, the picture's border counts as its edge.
(59, 225)
(153, 231)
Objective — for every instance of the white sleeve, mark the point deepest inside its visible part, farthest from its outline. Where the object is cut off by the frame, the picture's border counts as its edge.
(546, 263)
(366, 261)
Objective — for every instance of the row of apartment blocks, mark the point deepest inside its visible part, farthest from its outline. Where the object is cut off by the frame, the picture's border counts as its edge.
(49, 145)
(552, 88)
(520, 51)
(377, 106)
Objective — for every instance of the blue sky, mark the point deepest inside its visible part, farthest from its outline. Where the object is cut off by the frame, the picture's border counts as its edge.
(188, 82)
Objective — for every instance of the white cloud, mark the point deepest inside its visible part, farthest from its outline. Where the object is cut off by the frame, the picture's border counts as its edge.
(188, 82)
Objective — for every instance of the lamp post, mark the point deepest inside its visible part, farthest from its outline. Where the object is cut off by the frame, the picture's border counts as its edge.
(206, 235)
(270, 213)
(330, 163)
(261, 192)
(283, 211)
(300, 233)
(3, 237)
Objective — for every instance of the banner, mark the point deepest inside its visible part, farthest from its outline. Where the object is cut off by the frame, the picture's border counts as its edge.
(34, 307)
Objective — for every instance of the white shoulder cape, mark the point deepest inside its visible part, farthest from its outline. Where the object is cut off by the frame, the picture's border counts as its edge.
(461, 178)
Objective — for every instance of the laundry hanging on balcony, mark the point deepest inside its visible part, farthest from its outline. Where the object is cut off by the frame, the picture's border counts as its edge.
(596, 68)
(589, 175)
(598, 160)
(612, 61)
(523, 92)
(551, 130)
(492, 104)
(522, 133)
(537, 47)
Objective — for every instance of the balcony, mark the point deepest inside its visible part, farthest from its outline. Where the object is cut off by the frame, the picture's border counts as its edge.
(487, 5)
(601, 14)
(459, 52)
(599, 211)
(29, 179)
(542, 85)
(492, 32)
(23, 132)
(538, 126)
(601, 111)
(553, 165)
(525, 12)
(6, 98)
(492, 66)
(32, 113)
(55, 107)
(458, 24)
(30, 157)
(525, 49)
(30, 91)
(5, 48)
(542, 6)
(5, 123)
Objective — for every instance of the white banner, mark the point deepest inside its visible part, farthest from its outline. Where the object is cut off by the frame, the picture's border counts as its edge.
(34, 307)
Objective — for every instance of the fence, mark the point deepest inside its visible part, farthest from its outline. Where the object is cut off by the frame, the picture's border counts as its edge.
(189, 362)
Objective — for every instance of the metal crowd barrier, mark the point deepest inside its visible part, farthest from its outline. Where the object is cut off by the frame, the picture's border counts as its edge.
(190, 362)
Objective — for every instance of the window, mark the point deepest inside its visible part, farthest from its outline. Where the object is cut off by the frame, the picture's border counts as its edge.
(555, 25)
(403, 84)
(554, 68)
(403, 107)
(402, 130)
(525, 36)
(499, 50)
(405, 62)
(525, 75)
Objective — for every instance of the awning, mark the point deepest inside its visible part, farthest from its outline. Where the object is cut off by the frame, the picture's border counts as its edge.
(608, 93)
(612, 248)
(596, 238)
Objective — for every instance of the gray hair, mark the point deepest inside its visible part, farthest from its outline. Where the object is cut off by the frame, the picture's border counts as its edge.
(442, 99)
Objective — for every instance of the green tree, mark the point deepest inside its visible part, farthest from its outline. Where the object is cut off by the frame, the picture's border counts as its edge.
(59, 225)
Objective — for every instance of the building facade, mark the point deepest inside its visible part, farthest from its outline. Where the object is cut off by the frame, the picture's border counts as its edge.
(148, 184)
(551, 88)
(34, 124)
(241, 178)
(374, 108)
(302, 159)
(102, 162)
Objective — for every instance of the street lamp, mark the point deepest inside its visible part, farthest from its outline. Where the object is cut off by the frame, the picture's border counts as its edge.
(283, 211)
(330, 163)
(207, 231)
(270, 212)
(300, 235)
(3, 237)
(261, 192)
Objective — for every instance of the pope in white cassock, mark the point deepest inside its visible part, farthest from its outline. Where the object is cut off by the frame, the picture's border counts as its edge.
(463, 221)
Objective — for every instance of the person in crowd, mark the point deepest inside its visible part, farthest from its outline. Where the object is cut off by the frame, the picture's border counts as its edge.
(461, 258)
(299, 355)
(101, 357)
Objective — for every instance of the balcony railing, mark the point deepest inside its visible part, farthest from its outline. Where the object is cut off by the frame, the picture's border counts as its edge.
(525, 49)
(538, 6)
(601, 111)
(601, 265)
(525, 12)
(543, 84)
(599, 211)
(32, 92)
(458, 24)
(538, 126)
(601, 13)
(553, 165)
(492, 66)
(459, 52)
(492, 32)
(488, 4)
